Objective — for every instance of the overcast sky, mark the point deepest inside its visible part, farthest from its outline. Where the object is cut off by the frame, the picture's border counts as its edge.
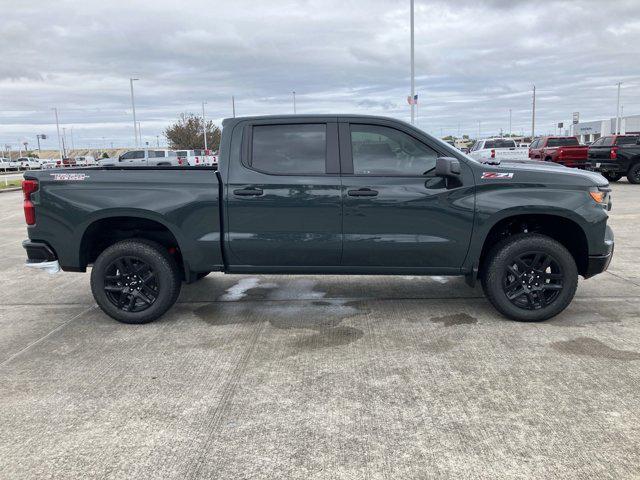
(475, 60)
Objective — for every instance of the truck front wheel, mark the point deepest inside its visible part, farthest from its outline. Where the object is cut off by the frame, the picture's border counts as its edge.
(530, 277)
(612, 177)
(135, 281)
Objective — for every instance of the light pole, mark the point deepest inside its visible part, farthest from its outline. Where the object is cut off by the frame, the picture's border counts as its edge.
(413, 70)
(233, 105)
(139, 133)
(133, 108)
(510, 123)
(204, 128)
(533, 115)
(618, 111)
(294, 102)
(55, 109)
(158, 141)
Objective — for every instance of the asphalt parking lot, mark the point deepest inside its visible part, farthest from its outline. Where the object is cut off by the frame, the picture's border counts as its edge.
(319, 377)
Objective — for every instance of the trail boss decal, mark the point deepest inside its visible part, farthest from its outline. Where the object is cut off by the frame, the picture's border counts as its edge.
(74, 177)
(496, 175)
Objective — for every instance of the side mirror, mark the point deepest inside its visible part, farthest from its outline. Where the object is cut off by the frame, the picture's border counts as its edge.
(447, 167)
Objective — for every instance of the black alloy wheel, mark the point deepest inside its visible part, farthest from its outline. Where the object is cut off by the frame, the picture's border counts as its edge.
(130, 284)
(533, 280)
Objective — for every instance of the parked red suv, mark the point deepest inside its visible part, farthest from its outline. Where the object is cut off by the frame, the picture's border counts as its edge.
(564, 150)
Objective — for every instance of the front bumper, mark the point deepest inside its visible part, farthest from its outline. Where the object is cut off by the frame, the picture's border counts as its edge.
(39, 252)
(599, 263)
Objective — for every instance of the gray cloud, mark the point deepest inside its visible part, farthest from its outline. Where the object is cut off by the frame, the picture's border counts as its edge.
(475, 60)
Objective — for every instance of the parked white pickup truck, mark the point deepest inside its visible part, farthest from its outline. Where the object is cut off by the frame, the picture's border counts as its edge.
(498, 149)
(198, 157)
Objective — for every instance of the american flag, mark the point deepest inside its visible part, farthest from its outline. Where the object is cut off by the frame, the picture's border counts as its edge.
(412, 101)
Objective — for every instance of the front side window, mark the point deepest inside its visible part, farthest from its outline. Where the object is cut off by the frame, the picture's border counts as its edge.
(290, 149)
(378, 150)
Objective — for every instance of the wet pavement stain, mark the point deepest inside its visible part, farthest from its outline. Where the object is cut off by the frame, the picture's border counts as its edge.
(455, 319)
(594, 348)
(440, 345)
(329, 337)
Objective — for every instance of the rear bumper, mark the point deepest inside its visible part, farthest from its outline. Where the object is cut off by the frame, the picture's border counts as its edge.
(607, 166)
(599, 263)
(38, 252)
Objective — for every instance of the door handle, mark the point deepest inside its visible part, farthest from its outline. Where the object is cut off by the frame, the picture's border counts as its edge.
(248, 192)
(362, 192)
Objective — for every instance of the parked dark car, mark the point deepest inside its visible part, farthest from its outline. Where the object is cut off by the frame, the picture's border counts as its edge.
(616, 156)
(323, 195)
(566, 151)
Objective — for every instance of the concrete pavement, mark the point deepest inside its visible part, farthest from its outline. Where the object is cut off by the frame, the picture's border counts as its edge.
(319, 377)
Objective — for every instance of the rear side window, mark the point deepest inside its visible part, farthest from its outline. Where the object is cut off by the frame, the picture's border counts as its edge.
(607, 141)
(627, 140)
(499, 144)
(378, 150)
(290, 149)
(563, 142)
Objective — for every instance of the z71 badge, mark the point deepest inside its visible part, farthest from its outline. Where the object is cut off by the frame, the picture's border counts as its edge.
(74, 177)
(496, 175)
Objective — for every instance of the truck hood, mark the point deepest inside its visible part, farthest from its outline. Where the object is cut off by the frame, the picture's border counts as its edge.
(547, 172)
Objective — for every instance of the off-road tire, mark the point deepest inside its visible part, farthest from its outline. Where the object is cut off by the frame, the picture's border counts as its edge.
(633, 175)
(166, 280)
(495, 276)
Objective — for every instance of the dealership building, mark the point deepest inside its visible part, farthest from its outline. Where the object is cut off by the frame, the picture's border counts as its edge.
(591, 131)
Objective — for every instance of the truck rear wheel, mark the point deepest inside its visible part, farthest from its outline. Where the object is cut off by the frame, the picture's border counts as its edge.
(530, 277)
(135, 281)
(634, 174)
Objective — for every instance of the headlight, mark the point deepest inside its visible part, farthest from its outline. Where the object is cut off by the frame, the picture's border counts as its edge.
(602, 196)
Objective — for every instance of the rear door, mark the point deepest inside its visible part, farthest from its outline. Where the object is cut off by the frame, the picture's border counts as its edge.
(397, 214)
(283, 195)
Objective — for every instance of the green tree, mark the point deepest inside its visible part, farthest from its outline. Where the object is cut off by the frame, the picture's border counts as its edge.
(105, 155)
(187, 133)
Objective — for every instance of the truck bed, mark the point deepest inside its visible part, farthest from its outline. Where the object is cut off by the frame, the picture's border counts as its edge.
(183, 202)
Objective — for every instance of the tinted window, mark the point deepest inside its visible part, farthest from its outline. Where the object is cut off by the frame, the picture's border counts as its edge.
(499, 144)
(386, 151)
(289, 149)
(182, 153)
(198, 153)
(562, 142)
(607, 141)
(535, 144)
(627, 140)
(132, 155)
(598, 142)
(157, 153)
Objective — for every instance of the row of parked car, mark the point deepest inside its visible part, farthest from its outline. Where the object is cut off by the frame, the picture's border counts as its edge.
(614, 156)
(146, 157)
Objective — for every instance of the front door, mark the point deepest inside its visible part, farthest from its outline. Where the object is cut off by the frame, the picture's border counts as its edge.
(284, 206)
(396, 212)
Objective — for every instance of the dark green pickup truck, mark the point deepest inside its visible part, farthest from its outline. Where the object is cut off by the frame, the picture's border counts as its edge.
(323, 195)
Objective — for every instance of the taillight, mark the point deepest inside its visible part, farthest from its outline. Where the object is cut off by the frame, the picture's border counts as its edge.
(614, 153)
(29, 187)
(180, 161)
(493, 153)
(58, 162)
(197, 160)
(560, 154)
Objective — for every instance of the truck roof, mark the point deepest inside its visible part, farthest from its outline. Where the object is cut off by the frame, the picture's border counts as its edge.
(308, 116)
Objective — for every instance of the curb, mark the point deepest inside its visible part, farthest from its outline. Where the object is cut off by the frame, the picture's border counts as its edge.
(13, 189)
